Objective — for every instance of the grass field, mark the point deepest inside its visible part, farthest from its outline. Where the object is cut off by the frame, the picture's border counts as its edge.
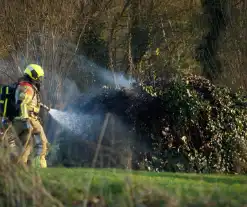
(125, 188)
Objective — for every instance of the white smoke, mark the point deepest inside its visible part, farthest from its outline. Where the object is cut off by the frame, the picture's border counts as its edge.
(107, 76)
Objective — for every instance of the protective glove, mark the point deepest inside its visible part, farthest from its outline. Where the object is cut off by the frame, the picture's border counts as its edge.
(4, 121)
(26, 124)
(3, 125)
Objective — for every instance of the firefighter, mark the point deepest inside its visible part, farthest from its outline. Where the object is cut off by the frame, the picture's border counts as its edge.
(27, 124)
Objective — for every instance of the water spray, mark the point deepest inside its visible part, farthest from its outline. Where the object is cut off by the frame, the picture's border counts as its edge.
(77, 123)
(70, 121)
(74, 122)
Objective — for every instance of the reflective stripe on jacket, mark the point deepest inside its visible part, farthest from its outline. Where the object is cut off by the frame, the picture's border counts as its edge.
(27, 99)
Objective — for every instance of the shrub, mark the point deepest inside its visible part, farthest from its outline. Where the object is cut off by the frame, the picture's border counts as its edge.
(204, 129)
(185, 124)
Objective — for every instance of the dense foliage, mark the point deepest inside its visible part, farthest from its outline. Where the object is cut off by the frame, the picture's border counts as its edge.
(187, 124)
(204, 129)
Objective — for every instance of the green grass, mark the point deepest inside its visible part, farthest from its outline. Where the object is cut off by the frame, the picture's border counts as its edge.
(123, 188)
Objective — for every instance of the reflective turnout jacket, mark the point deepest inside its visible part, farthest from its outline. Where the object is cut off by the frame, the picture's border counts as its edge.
(27, 99)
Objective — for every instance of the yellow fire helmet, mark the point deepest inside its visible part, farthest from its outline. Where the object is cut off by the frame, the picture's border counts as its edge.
(35, 72)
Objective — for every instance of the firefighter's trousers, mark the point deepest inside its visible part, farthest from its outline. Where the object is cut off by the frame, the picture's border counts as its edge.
(31, 135)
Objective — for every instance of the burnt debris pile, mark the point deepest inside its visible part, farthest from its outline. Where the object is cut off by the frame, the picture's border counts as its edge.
(186, 124)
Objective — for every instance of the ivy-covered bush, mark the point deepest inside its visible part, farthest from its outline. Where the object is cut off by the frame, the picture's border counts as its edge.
(185, 124)
(204, 129)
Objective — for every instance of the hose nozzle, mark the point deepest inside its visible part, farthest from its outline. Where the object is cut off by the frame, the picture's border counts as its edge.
(45, 107)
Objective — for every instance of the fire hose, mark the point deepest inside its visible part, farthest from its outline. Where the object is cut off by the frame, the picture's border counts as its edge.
(45, 107)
